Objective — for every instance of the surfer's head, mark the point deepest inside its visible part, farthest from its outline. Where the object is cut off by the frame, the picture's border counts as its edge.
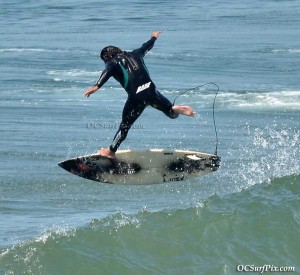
(109, 53)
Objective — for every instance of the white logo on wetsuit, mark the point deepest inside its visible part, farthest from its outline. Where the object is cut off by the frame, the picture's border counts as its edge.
(143, 87)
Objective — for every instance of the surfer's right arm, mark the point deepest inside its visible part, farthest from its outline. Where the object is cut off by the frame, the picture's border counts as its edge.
(106, 74)
(91, 90)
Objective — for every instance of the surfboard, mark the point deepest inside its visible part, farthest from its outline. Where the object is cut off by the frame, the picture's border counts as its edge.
(143, 167)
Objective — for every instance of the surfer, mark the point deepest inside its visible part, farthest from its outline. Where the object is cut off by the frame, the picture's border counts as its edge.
(129, 69)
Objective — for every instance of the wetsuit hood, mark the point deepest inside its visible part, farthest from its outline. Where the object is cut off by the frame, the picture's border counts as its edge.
(109, 53)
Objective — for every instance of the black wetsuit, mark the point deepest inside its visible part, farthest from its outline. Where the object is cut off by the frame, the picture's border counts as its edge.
(129, 69)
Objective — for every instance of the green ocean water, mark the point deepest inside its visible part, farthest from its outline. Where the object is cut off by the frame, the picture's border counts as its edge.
(256, 226)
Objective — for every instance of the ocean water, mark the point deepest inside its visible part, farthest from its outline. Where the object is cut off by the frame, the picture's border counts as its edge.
(245, 215)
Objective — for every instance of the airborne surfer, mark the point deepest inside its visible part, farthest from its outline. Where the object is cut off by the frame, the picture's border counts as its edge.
(129, 69)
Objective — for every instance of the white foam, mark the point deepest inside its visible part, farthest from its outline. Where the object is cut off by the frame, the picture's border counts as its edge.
(285, 51)
(54, 231)
(20, 50)
(284, 99)
(72, 73)
(267, 100)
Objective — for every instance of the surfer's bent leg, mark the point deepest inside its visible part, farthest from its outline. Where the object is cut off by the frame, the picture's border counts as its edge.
(163, 104)
(172, 111)
(132, 110)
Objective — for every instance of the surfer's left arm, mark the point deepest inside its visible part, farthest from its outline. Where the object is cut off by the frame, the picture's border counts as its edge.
(147, 46)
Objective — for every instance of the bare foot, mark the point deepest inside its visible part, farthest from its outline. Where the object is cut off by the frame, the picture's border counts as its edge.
(106, 152)
(183, 110)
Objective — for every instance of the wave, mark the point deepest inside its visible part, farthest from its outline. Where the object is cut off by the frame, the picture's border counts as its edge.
(271, 100)
(285, 50)
(73, 73)
(20, 50)
(209, 236)
(289, 100)
(268, 100)
(279, 50)
(42, 50)
(239, 100)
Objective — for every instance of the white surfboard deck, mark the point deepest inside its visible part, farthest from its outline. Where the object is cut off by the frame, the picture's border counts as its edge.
(143, 167)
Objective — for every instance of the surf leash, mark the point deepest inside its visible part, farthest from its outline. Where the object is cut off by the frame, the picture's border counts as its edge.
(213, 107)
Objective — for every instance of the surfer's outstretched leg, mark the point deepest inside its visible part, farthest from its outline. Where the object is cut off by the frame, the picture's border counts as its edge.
(132, 110)
(183, 110)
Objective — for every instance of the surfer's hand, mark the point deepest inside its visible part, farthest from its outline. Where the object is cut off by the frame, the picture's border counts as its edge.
(155, 34)
(90, 91)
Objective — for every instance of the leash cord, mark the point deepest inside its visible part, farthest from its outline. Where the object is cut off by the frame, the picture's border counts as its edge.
(213, 107)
